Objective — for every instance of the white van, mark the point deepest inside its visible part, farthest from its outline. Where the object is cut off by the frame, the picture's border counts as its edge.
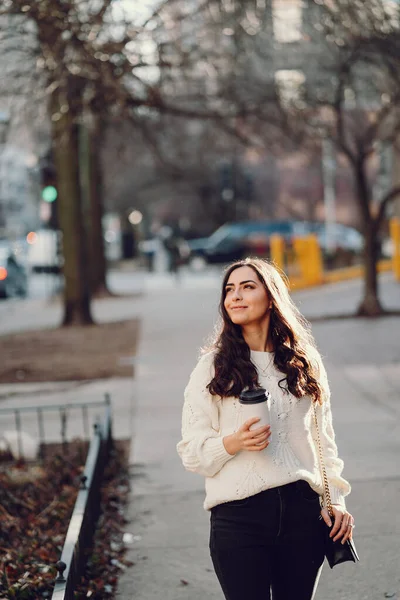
(44, 251)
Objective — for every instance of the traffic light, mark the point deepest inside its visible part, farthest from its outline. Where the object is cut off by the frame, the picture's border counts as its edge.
(49, 193)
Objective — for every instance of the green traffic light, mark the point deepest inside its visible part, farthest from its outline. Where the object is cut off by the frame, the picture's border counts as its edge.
(49, 193)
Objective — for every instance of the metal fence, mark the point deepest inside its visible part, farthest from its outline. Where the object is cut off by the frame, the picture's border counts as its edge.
(86, 511)
(46, 423)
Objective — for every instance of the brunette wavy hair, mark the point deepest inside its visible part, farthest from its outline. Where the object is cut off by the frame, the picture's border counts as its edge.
(294, 346)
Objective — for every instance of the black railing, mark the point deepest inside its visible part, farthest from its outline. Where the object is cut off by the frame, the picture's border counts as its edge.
(37, 428)
(86, 511)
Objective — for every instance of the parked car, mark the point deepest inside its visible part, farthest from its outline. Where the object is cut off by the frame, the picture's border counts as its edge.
(13, 274)
(234, 241)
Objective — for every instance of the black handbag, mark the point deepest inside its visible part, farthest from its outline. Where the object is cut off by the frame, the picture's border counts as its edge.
(335, 552)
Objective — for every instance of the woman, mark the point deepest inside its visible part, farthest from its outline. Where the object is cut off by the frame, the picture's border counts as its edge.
(263, 485)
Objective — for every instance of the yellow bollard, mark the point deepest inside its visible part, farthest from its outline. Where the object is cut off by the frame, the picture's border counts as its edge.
(395, 235)
(277, 246)
(301, 253)
(309, 258)
(315, 267)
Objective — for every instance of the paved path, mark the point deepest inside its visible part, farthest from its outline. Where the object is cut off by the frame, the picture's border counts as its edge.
(170, 547)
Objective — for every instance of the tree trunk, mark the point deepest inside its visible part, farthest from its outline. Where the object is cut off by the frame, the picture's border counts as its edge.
(66, 153)
(370, 305)
(98, 263)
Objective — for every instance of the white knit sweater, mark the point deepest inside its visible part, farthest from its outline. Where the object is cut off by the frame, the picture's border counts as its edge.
(291, 455)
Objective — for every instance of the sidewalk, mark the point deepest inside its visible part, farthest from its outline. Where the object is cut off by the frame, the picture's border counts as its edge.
(170, 527)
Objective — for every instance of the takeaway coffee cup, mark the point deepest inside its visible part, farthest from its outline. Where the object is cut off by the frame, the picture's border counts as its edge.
(255, 404)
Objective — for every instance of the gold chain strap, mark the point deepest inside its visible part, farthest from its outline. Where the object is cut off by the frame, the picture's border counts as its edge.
(327, 493)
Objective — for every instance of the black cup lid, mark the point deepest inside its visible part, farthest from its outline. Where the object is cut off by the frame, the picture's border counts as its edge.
(253, 396)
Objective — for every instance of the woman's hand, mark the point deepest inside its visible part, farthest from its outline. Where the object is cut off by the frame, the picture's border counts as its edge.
(343, 525)
(244, 439)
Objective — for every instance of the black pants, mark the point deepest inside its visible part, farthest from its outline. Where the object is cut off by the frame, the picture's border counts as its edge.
(270, 541)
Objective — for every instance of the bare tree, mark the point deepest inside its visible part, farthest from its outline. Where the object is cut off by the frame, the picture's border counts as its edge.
(359, 111)
(341, 82)
(99, 62)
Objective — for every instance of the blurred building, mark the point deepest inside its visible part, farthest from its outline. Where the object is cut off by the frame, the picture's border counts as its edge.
(24, 128)
(305, 68)
(280, 56)
(286, 55)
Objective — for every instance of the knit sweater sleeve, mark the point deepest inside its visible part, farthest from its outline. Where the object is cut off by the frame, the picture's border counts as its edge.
(338, 486)
(201, 448)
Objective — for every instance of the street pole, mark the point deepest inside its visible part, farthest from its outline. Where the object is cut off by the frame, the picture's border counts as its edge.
(4, 124)
(329, 181)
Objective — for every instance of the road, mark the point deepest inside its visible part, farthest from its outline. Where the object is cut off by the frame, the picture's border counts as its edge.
(42, 309)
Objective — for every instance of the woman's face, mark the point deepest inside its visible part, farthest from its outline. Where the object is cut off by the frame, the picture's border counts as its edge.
(246, 299)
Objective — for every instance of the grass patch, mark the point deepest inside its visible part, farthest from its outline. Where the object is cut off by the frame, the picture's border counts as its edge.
(69, 353)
